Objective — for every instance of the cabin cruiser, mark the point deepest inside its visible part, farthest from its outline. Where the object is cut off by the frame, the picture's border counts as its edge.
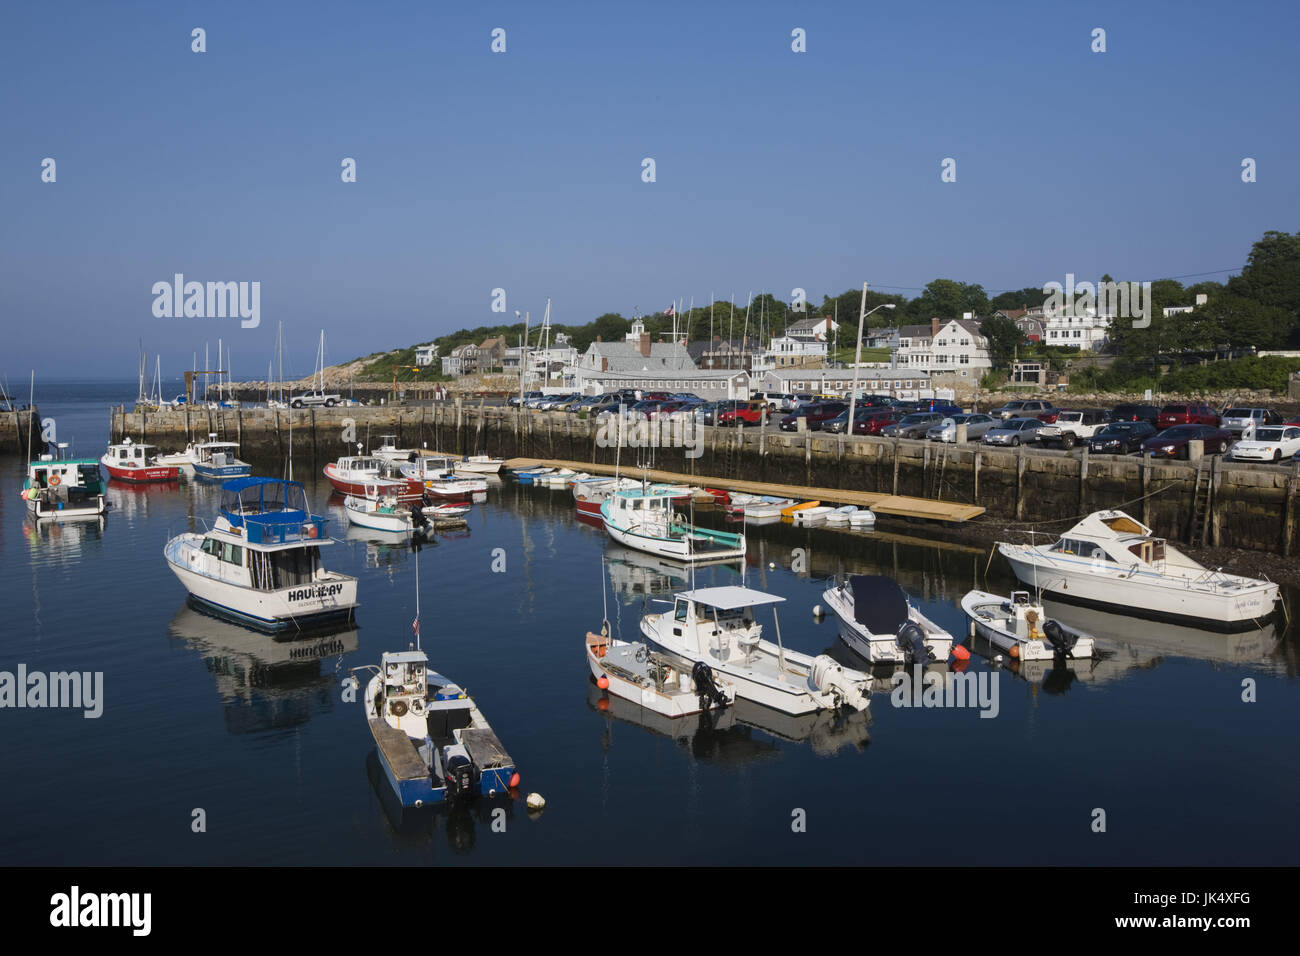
(480, 464)
(643, 518)
(389, 452)
(1111, 560)
(129, 461)
(260, 563)
(65, 488)
(879, 623)
(219, 460)
(434, 743)
(355, 474)
(717, 626)
(1022, 629)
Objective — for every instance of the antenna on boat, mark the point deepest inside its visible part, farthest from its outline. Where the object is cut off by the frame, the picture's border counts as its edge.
(415, 625)
(31, 399)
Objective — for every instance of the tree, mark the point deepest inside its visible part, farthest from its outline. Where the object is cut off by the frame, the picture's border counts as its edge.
(1004, 338)
(949, 299)
(1022, 299)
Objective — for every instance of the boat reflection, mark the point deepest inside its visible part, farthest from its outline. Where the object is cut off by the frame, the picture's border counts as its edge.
(62, 539)
(266, 683)
(728, 736)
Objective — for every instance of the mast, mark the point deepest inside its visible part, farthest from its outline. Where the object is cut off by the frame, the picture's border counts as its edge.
(31, 403)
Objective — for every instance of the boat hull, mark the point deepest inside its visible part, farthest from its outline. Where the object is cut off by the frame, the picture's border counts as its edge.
(221, 472)
(143, 475)
(1000, 637)
(679, 549)
(672, 703)
(884, 648)
(404, 488)
(1138, 597)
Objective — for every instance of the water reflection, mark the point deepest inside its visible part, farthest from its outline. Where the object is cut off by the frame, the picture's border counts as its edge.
(266, 683)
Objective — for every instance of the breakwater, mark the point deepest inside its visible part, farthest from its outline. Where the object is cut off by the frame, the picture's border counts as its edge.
(1206, 502)
(14, 426)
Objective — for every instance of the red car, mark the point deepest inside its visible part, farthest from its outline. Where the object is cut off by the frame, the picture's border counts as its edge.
(1196, 413)
(875, 424)
(1172, 442)
(745, 413)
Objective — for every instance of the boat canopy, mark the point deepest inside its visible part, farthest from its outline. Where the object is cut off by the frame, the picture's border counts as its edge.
(730, 598)
(879, 604)
(274, 510)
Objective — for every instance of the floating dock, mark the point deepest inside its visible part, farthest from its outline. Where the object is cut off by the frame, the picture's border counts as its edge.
(901, 506)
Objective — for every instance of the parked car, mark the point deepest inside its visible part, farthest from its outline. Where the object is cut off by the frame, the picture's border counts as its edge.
(744, 413)
(1023, 408)
(515, 400)
(1193, 413)
(977, 423)
(1073, 425)
(867, 421)
(1270, 443)
(1013, 432)
(815, 414)
(939, 407)
(1237, 420)
(1133, 412)
(1172, 442)
(314, 397)
(914, 425)
(1120, 438)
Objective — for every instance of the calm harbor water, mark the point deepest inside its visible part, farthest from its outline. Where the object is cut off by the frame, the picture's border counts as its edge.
(199, 713)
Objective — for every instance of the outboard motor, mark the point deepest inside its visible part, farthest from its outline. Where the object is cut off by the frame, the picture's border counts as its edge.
(418, 521)
(911, 641)
(458, 771)
(1061, 638)
(708, 690)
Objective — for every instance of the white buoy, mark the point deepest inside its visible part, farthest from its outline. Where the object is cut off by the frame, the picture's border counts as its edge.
(771, 565)
(997, 658)
(535, 801)
(817, 611)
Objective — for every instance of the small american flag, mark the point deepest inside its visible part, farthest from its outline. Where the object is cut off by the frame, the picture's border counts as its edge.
(415, 627)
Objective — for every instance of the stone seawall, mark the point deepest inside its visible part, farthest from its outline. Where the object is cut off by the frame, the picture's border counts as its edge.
(1244, 506)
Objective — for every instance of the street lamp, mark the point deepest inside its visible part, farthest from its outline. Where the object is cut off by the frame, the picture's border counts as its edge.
(857, 363)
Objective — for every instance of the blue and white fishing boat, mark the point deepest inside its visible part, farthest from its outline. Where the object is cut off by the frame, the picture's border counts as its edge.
(260, 563)
(219, 460)
(433, 742)
(643, 518)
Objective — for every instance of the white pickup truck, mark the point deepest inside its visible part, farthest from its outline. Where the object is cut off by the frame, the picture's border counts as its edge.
(315, 398)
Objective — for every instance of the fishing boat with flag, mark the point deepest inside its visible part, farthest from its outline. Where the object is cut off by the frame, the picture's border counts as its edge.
(260, 562)
(643, 518)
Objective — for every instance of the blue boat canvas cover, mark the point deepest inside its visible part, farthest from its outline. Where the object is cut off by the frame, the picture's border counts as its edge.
(879, 604)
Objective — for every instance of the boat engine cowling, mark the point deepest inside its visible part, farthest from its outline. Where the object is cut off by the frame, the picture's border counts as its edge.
(458, 771)
(706, 687)
(1060, 637)
(827, 677)
(911, 641)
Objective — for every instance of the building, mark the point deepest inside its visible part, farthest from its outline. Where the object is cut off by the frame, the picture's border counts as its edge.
(954, 348)
(1030, 322)
(425, 354)
(1084, 329)
(788, 352)
(811, 330)
(492, 353)
(896, 382)
(721, 355)
(1169, 310)
(462, 360)
(636, 356)
(880, 339)
(709, 384)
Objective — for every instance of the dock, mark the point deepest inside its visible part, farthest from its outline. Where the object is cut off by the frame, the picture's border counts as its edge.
(901, 506)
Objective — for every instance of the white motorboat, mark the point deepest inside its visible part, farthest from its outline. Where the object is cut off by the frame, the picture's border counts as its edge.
(440, 478)
(381, 512)
(555, 479)
(879, 623)
(184, 460)
(389, 452)
(717, 626)
(1110, 560)
(632, 671)
(1021, 627)
(767, 506)
(480, 465)
(433, 742)
(812, 515)
(643, 518)
(862, 519)
(260, 562)
(64, 488)
(839, 517)
(219, 460)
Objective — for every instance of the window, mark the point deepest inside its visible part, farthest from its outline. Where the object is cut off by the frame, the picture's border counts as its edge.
(211, 546)
(232, 553)
(679, 613)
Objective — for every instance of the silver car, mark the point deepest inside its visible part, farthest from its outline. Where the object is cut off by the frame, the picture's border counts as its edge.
(977, 425)
(1017, 431)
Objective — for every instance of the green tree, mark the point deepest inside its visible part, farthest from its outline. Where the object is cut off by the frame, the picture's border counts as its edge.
(1004, 339)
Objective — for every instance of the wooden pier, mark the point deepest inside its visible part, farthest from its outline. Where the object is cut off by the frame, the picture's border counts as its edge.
(901, 506)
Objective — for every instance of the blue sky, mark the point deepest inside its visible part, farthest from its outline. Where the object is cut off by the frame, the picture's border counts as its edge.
(522, 170)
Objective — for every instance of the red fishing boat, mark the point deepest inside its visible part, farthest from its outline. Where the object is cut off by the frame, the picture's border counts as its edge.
(361, 475)
(130, 462)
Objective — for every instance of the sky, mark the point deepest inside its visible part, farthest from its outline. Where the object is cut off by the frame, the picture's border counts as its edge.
(523, 170)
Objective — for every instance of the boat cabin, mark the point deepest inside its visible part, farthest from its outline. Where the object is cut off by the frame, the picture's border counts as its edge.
(359, 466)
(1112, 538)
(218, 453)
(720, 622)
(129, 455)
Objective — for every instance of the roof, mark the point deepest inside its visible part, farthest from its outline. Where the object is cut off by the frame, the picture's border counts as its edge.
(809, 323)
(406, 657)
(216, 444)
(730, 598)
(627, 357)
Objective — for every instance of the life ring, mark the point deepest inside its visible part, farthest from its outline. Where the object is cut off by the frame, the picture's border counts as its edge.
(397, 708)
(55, 481)
(312, 532)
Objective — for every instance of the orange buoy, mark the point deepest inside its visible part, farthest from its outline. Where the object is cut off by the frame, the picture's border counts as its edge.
(602, 682)
(514, 780)
(961, 652)
(1015, 650)
(602, 704)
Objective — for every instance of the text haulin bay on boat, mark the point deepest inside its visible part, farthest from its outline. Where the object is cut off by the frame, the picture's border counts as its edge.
(179, 299)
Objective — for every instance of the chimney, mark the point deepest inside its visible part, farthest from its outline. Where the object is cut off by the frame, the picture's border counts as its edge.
(645, 344)
(934, 327)
(598, 338)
